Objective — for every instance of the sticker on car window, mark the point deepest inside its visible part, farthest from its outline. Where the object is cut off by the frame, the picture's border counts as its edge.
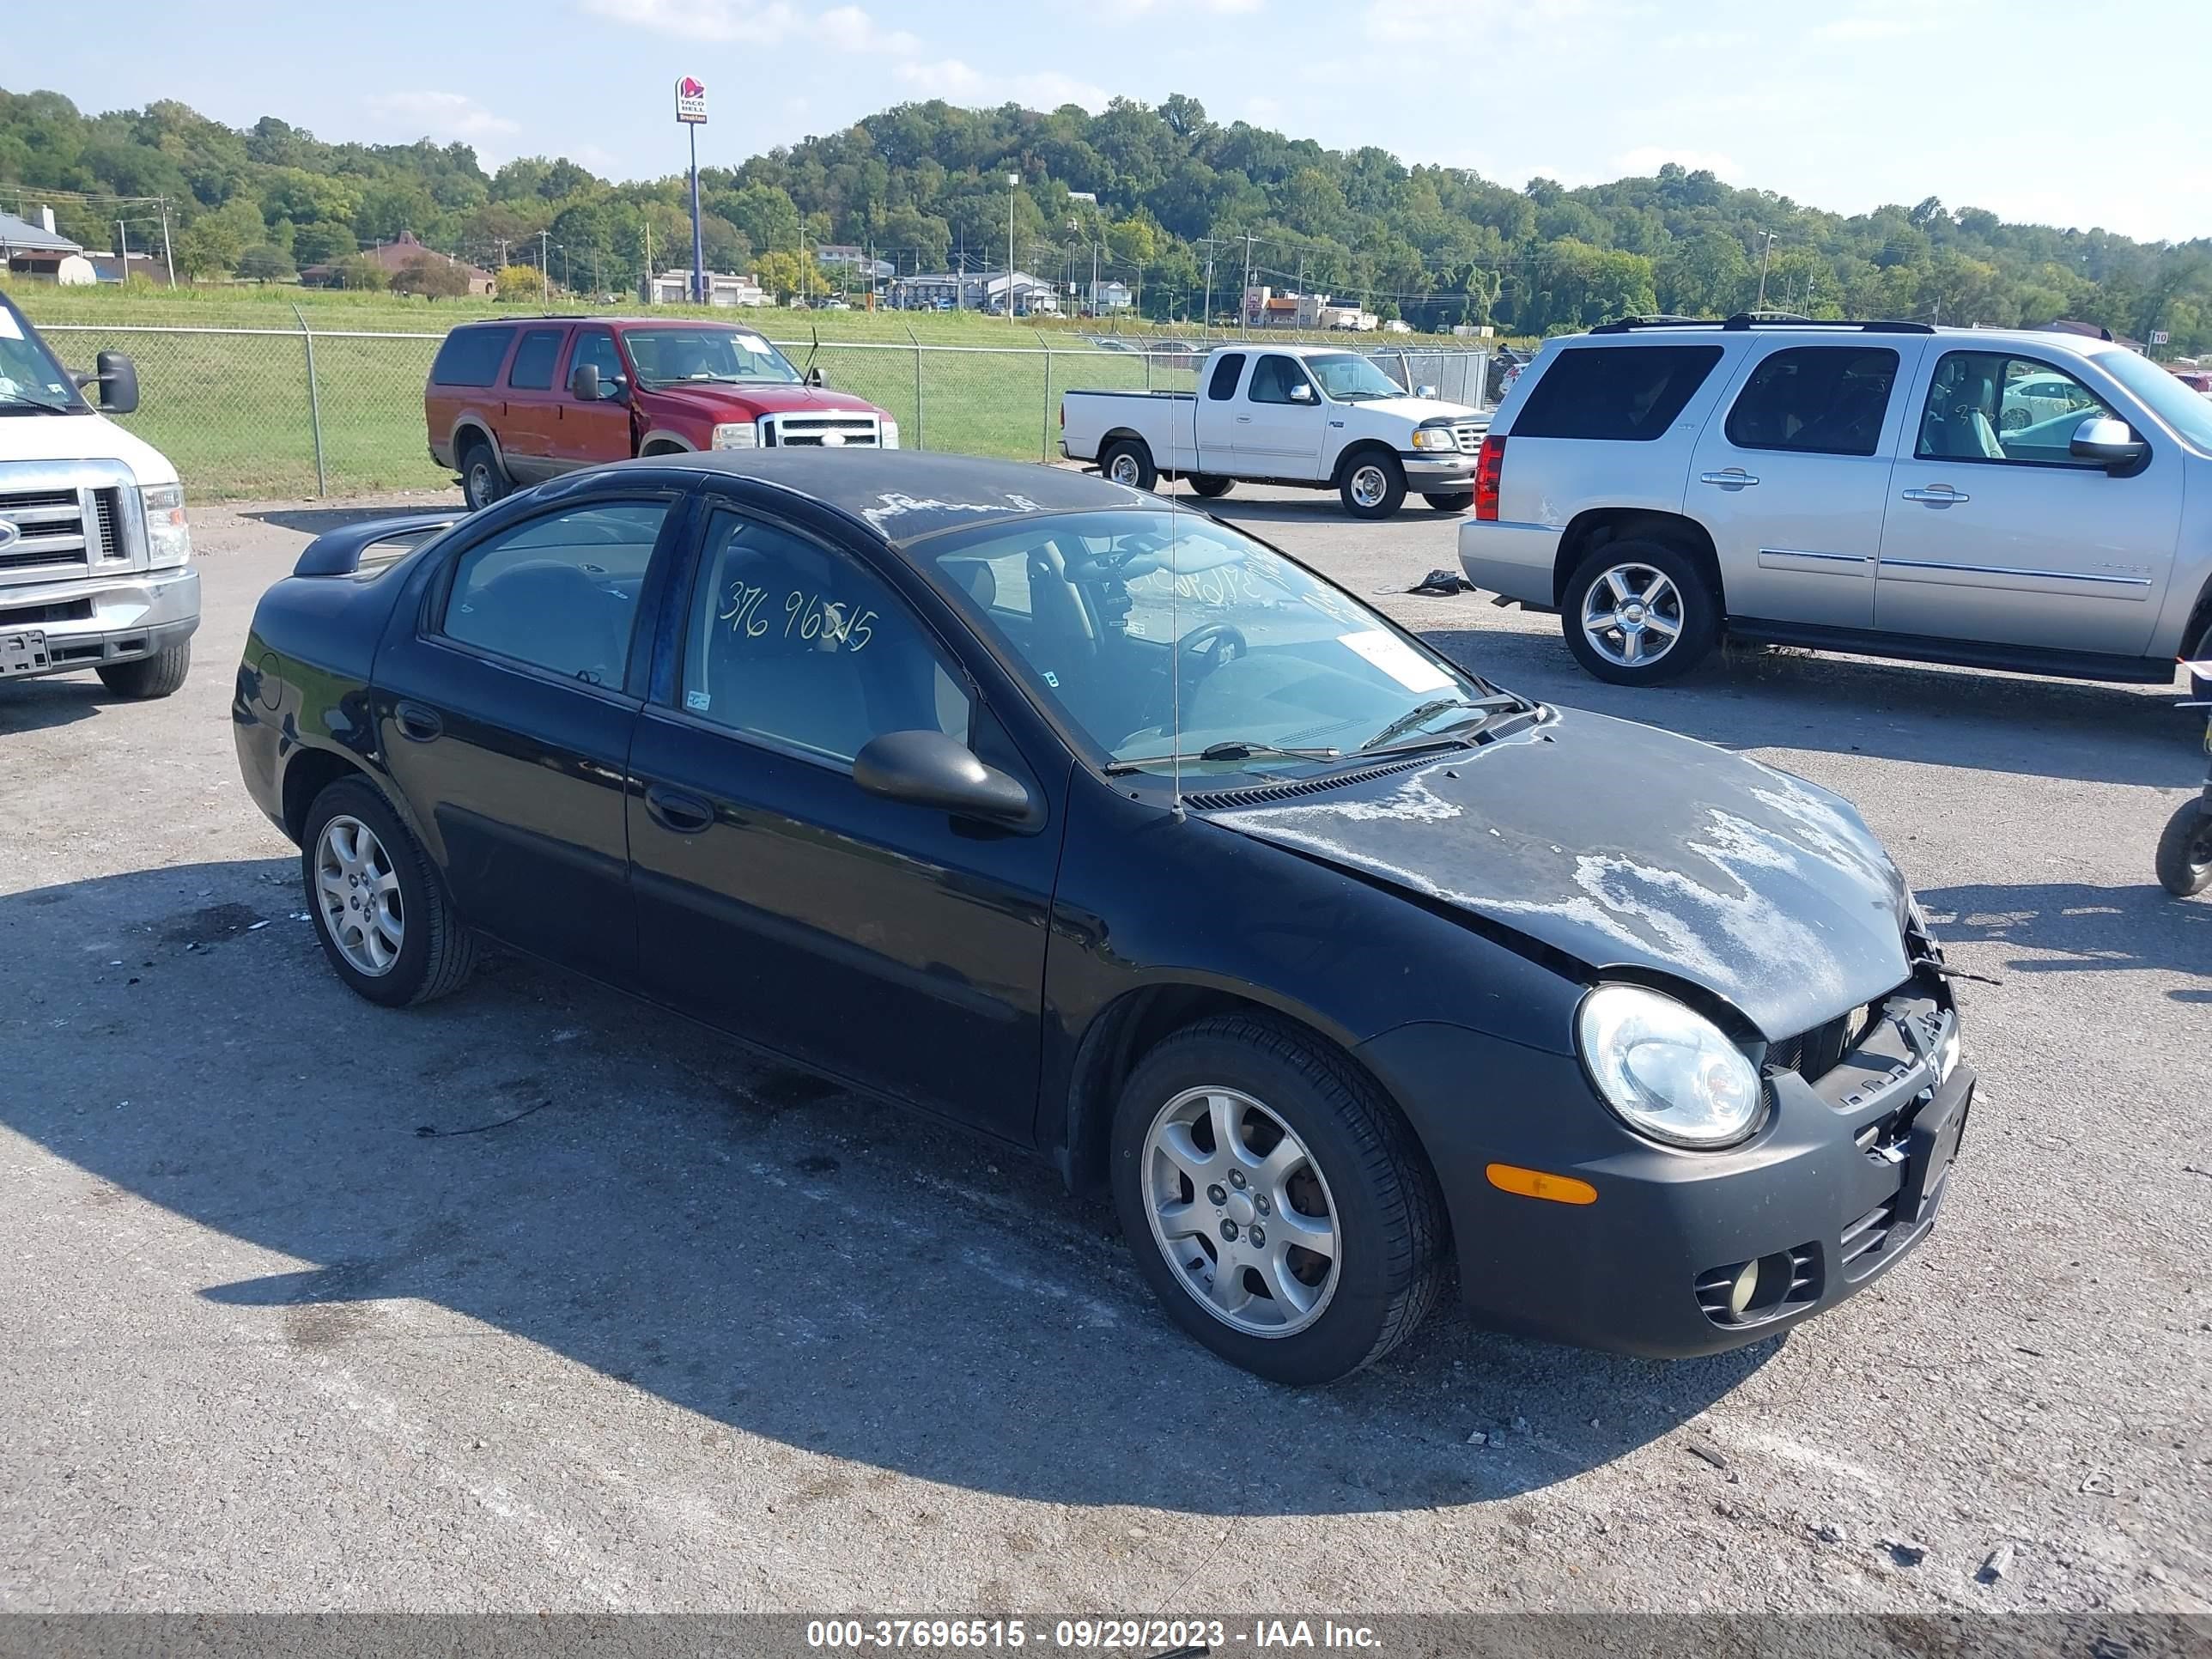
(9, 328)
(1398, 659)
(698, 702)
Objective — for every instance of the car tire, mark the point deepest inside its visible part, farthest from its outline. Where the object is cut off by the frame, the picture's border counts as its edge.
(483, 481)
(1666, 615)
(1372, 484)
(150, 677)
(1211, 485)
(1354, 1164)
(351, 834)
(1457, 500)
(2185, 850)
(1127, 461)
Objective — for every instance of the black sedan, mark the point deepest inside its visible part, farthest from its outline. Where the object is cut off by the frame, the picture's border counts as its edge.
(1094, 824)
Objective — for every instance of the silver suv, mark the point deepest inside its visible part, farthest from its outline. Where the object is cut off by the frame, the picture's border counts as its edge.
(2039, 501)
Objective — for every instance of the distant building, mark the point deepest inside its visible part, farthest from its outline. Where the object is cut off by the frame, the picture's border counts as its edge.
(40, 252)
(843, 256)
(974, 290)
(673, 288)
(1109, 296)
(115, 267)
(396, 256)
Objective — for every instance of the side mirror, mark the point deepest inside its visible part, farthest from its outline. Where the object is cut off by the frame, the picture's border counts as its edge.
(1302, 393)
(2111, 444)
(1425, 391)
(814, 379)
(119, 383)
(928, 768)
(584, 383)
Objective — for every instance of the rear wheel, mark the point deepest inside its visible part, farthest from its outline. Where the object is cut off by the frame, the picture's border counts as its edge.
(1457, 500)
(1126, 461)
(1639, 613)
(377, 904)
(2185, 851)
(1274, 1199)
(149, 676)
(1210, 485)
(483, 481)
(1373, 485)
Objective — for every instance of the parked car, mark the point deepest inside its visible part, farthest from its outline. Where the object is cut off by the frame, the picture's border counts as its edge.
(96, 550)
(2039, 501)
(1105, 828)
(511, 403)
(1314, 416)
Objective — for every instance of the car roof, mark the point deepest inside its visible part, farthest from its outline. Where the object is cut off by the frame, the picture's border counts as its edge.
(610, 322)
(2032, 339)
(908, 495)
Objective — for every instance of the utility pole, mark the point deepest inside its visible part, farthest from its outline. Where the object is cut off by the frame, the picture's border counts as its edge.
(652, 287)
(1244, 300)
(1013, 184)
(122, 241)
(544, 270)
(1765, 253)
(167, 258)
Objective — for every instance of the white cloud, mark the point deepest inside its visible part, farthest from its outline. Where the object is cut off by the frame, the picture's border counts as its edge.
(1869, 26)
(1229, 8)
(757, 23)
(957, 82)
(443, 115)
(1647, 159)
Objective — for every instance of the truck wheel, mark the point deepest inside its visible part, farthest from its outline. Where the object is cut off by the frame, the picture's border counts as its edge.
(1639, 613)
(1126, 461)
(1373, 485)
(1210, 485)
(482, 479)
(1458, 502)
(149, 677)
(377, 904)
(2185, 851)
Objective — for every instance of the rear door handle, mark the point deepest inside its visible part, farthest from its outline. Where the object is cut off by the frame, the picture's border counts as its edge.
(1938, 495)
(673, 809)
(1733, 477)
(418, 722)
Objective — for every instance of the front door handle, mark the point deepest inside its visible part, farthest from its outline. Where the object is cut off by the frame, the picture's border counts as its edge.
(1243, 419)
(1938, 495)
(673, 809)
(418, 722)
(1733, 477)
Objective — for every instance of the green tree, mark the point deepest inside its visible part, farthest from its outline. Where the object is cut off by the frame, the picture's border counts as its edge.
(432, 277)
(784, 274)
(518, 284)
(358, 271)
(266, 263)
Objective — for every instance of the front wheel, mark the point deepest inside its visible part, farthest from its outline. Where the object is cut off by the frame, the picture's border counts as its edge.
(147, 678)
(1276, 1202)
(1126, 461)
(1457, 500)
(1639, 613)
(377, 904)
(1373, 486)
(2185, 851)
(1210, 484)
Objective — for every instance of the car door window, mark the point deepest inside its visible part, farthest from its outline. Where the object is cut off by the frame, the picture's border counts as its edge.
(1826, 400)
(534, 359)
(597, 350)
(1987, 406)
(1275, 379)
(1223, 386)
(795, 643)
(558, 592)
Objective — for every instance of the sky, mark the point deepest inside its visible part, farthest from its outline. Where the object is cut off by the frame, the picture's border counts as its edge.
(2037, 110)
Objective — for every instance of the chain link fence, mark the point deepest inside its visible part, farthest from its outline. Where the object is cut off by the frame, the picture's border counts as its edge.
(259, 412)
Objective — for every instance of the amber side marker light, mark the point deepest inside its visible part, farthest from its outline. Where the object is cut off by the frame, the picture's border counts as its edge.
(1535, 1183)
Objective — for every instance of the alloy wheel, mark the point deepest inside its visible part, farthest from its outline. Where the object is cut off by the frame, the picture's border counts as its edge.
(1241, 1210)
(359, 892)
(1632, 615)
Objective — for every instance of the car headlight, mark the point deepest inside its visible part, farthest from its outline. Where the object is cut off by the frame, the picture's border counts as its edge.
(168, 536)
(736, 435)
(1435, 437)
(1667, 1071)
(889, 438)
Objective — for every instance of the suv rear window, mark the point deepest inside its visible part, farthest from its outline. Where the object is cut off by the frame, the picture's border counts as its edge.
(471, 356)
(1625, 393)
(533, 370)
(1827, 399)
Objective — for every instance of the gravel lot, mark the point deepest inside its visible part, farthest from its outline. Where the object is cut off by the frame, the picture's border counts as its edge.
(695, 1333)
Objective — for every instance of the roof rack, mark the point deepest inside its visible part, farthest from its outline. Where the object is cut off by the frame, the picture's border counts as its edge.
(1744, 320)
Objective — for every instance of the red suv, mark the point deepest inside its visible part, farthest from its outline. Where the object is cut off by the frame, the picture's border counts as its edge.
(513, 403)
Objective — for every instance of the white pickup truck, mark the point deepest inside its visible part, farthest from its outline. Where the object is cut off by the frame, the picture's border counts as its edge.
(1312, 415)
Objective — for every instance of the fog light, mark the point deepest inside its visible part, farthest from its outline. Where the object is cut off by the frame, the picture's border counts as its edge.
(1745, 1288)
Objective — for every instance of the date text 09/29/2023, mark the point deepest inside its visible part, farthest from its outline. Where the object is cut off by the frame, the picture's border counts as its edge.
(1153, 1635)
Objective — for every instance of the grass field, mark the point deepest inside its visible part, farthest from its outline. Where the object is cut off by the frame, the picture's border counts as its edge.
(232, 409)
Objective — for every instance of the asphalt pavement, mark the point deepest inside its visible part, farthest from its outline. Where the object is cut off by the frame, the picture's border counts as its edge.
(538, 1299)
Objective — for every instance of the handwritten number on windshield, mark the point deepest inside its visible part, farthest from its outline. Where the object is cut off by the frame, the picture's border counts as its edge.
(808, 616)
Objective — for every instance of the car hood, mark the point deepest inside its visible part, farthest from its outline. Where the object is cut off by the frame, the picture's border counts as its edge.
(1625, 846)
(721, 402)
(80, 437)
(1414, 411)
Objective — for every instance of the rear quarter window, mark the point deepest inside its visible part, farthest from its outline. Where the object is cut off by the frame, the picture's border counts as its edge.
(1622, 393)
(471, 356)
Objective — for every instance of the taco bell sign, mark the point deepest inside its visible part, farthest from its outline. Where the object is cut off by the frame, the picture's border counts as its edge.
(692, 102)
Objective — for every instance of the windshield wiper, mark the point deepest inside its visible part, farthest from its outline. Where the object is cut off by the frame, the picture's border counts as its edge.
(1428, 711)
(1228, 749)
(17, 400)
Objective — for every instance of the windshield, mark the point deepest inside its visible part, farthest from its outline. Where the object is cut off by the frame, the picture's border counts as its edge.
(2187, 412)
(1268, 657)
(1350, 379)
(704, 351)
(30, 379)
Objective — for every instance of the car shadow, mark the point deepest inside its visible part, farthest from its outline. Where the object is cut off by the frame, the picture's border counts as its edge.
(746, 1241)
(55, 700)
(1416, 514)
(1750, 697)
(2074, 926)
(315, 520)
